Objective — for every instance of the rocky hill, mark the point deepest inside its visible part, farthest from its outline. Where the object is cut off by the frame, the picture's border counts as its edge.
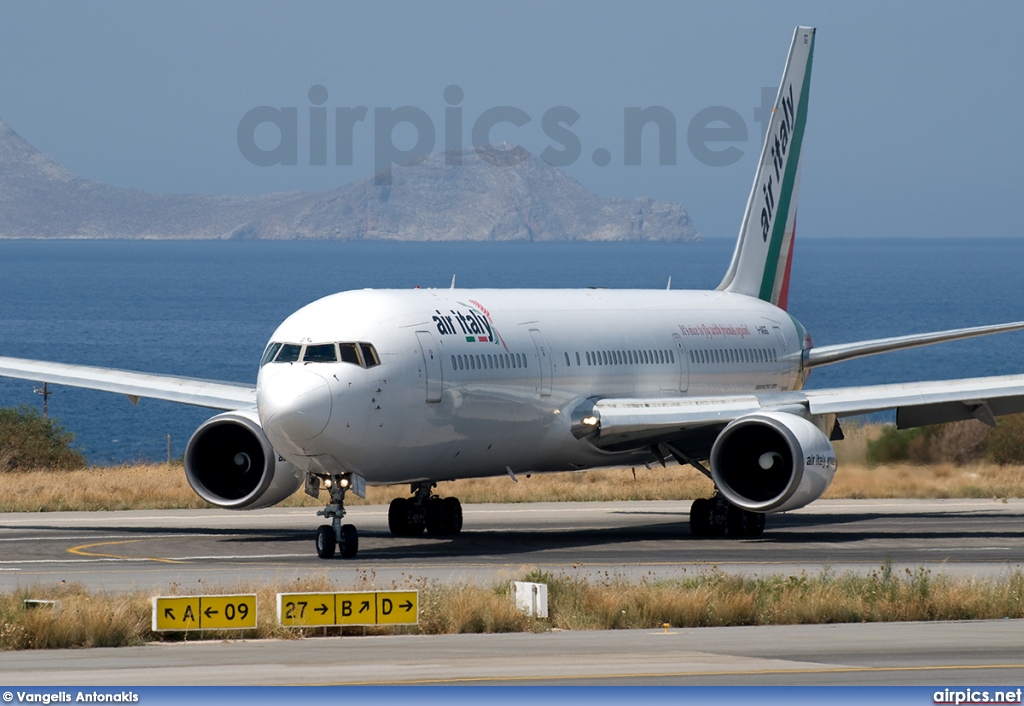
(477, 200)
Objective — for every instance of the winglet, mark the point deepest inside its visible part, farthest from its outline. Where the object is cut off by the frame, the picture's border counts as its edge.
(761, 262)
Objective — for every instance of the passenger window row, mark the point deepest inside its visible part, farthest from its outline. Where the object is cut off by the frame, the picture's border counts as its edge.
(489, 361)
(503, 361)
(361, 354)
(628, 357)
(715, 356)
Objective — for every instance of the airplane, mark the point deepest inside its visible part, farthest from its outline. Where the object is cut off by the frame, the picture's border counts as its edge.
(421, 386)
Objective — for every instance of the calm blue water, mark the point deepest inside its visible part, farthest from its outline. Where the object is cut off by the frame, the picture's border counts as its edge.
(206, 309)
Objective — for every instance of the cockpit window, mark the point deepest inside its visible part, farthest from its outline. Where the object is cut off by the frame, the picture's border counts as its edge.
(268, 355)
(349, 353)
(320, 353)
(289, 353)
(370, 358)
(362, 354)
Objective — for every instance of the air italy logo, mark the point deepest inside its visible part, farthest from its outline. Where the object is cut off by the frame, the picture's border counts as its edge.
(475, 324)
(778, 154)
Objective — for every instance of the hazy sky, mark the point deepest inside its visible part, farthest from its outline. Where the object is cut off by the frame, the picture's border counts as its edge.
(914, 128)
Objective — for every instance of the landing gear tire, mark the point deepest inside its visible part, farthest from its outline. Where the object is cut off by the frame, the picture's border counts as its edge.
(440, 517)
(435, 519)
(453, 514)
(700, 517)
(744, 523)
(349, 541)
(403, 520)
(443, 516)
(325, 541)
(398, 517)
(712, 517)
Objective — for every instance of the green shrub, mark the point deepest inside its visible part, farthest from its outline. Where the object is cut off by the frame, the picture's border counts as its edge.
(892, 446)
(955, 442)
(1005, 444)
(29, 440)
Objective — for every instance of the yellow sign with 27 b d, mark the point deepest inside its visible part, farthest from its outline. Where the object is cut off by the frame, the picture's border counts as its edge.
(350, 608)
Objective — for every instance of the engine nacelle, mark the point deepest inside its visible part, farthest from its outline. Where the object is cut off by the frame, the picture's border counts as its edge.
(772, 462)
(230, 463)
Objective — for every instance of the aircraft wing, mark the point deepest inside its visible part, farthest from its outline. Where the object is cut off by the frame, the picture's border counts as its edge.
(614, 422)
(136, 385)
(826, 355)
(921, 403)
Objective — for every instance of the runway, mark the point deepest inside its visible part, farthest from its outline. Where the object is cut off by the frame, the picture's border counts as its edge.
(155, 549)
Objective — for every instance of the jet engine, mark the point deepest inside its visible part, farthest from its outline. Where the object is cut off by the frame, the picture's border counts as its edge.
(230, 463)
(772, 462)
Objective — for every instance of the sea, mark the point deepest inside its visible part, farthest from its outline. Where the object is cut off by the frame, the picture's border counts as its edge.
(207, 308)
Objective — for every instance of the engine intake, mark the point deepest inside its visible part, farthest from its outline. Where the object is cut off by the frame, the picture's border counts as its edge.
(230, 463)
(772, 462)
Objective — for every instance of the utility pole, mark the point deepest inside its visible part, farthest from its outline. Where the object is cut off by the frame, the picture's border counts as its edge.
(45, 392)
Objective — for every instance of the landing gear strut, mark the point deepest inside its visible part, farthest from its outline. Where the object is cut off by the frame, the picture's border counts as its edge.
(712, 517)
(336, 535)
(440, 517)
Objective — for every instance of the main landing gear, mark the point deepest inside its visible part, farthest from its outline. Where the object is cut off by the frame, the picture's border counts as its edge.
(440, 517)
(336, 535)
(712, 517)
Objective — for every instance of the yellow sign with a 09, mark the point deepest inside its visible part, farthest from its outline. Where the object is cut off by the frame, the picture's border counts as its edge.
(204, 612)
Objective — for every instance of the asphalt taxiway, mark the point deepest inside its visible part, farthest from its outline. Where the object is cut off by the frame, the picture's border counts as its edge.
(935, 654)
(186, 548)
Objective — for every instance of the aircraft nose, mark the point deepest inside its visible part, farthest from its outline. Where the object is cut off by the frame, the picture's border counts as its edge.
(295, 404)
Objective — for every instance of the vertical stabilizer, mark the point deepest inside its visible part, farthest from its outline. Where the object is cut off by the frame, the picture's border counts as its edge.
(760, 265)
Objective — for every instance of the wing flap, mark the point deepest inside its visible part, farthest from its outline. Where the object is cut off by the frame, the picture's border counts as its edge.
(619, 422)
(612, 422)
(624, 416)
(201, 393)
(921, 403)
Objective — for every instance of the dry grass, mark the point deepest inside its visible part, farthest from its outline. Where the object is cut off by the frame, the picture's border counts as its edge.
(141, 487)
(163, 486)
(946, 480)
(86, 620)
(715, 598)
(711, 598)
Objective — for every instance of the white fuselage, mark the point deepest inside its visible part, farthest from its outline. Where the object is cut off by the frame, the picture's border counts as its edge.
(474, 383)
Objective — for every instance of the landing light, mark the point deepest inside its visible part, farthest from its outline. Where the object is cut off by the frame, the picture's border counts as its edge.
(590, 421)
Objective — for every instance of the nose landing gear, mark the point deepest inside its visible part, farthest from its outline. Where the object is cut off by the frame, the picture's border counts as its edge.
(336, 535)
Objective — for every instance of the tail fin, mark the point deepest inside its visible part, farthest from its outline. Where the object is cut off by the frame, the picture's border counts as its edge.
(760, 264)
